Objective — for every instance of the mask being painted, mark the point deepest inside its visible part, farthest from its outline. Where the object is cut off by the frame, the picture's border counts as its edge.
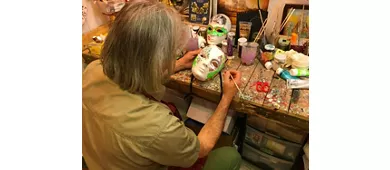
(218, 28)
(209, 62)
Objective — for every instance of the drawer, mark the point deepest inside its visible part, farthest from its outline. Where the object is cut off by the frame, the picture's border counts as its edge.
(263, 160)
(245, 165)
(270, 145)
(277, 129)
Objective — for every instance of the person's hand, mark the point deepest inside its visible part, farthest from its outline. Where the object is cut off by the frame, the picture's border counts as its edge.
(186, 61)
(229, 88)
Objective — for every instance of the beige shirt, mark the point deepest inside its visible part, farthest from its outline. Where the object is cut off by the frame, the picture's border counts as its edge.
(129, 131)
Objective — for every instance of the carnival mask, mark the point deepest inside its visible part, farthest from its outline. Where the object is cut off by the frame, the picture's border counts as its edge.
(218, 28)
(209, 62)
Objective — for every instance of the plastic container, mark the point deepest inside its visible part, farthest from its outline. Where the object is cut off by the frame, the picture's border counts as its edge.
(249, 53)
(272, 146)
(277, 129)
(263, 160)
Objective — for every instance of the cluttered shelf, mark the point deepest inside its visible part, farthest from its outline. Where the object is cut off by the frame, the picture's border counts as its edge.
(290, 106)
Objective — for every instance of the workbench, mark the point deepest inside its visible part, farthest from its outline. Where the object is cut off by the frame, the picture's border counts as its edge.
(292, 106)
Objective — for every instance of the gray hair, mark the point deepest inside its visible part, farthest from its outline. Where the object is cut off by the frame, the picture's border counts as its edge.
(141, 45)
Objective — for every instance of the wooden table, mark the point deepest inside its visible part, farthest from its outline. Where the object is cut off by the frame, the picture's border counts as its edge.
(292, 108)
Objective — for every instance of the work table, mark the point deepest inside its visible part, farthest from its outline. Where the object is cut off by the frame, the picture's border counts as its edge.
(292, 106)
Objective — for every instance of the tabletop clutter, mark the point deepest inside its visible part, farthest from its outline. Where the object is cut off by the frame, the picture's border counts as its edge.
(287, 57)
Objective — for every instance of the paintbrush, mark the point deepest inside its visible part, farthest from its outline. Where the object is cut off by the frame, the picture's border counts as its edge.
(236, 85)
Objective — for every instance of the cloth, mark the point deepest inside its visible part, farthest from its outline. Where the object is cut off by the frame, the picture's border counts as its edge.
(130, 131)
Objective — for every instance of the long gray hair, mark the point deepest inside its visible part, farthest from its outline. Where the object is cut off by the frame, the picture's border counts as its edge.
(141, 45)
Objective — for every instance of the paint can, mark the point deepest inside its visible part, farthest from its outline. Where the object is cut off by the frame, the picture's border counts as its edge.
(284, 44)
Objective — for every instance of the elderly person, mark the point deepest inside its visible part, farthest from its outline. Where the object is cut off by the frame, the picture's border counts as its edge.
(124, 124)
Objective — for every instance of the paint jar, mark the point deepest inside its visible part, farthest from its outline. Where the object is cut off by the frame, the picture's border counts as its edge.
(268, 53)
(224, 46)
(284, 44)
(249, 53)
(192, 44)
(203, 32)
(241, 42)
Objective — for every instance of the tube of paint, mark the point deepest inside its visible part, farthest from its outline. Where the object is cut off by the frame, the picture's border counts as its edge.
(299, 72)
(297, 84)
(285, 74)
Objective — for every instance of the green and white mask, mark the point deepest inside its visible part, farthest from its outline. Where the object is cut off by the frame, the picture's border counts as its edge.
(218, 28)
(209, 62)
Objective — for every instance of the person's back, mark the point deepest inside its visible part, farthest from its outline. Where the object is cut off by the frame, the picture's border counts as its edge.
(118, 127)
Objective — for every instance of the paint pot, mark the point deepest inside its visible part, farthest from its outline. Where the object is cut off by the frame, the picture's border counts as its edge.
(284, 44)
(241, 42)
(268, 53)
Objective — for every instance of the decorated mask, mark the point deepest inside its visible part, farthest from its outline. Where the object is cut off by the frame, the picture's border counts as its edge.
(218, 28)
(209, 62)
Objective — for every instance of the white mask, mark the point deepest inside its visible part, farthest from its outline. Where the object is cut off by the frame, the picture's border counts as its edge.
(209, 62)
(218, 28)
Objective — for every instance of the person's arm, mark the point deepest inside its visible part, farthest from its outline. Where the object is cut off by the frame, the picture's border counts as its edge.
(209, 134)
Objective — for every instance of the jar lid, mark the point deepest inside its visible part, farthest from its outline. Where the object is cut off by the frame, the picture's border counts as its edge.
(242, 40)
(195, 27)
(203, 28)
(269, 47)
(231, 34)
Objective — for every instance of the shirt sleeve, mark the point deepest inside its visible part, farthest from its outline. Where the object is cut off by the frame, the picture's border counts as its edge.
(175, 145)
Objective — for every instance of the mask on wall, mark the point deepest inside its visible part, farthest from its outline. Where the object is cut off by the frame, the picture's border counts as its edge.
(209, 62)
(218, 28)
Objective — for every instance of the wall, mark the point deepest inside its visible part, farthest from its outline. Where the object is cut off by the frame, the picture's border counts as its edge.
(95, 17)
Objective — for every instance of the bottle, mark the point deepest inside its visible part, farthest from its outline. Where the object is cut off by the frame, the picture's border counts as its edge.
(203, 33)
(241, 42)
(224, 46)
(230, 40)
(299, 72)
(285, 74)
(233, 35)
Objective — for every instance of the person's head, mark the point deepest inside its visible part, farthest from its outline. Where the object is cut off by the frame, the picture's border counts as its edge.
(141, 45)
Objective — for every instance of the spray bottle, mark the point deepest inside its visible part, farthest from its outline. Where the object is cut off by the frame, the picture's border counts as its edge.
(285, 74)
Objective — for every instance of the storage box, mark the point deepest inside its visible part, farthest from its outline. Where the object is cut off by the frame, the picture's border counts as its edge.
(270, 145)
(201, 110)
(277, 129)
(245, 165)
(263, 160)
